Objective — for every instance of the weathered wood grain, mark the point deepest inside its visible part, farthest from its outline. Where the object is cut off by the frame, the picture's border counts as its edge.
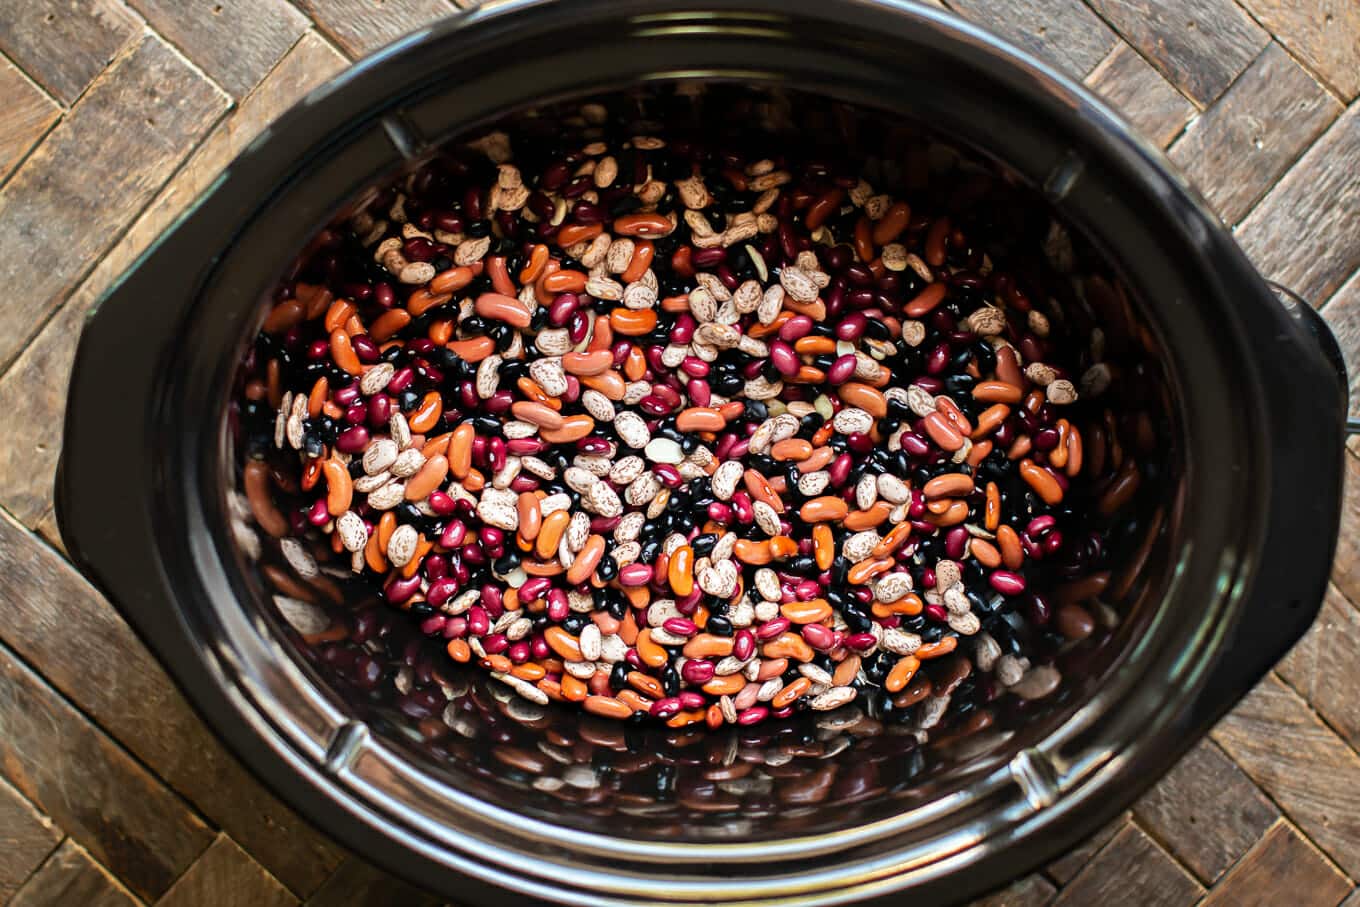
(1342, 312)
(1063, 32)
(223, 877)
(55, 619)
(1324, 34)
(1306, 768)
(359, 884)
(1206, 811)
(1200, 45)
(26, 838)
(362, 26)
(1306, 232)
(98, 168)
(70, 877)
(1066, 867)
(108, 803)
(1149, 102)
(235, 43)
(47, 527)
(1031, 891)
(26, 114)
(1321, 667)
(1244, 142)
(1282, 861)
(33, 391)
(1346, 563)
(62, 45)
(1131, 869)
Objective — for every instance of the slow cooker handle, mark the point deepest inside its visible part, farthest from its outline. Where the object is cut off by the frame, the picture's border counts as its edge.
(1280, 609)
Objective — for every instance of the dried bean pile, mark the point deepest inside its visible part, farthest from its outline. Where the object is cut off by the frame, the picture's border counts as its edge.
(675, 432)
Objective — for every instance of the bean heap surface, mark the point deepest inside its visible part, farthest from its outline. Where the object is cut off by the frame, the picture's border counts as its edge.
(674, 432)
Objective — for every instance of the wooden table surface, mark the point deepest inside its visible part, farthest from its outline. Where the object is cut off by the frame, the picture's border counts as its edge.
(114, 116)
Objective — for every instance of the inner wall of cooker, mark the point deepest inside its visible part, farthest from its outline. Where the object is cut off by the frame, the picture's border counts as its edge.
(816, 772)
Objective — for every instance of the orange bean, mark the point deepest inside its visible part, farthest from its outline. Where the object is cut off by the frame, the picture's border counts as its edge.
(901, 673)
(823, 207)
(539, 414)
(611, 384)
(870, 399)
(868, 519)
(587, 560)
(992, 509)
(1012, 552)
(473, 350)
(791, 693)
(1038, 478)
(816, 460)
(826, 508)
(550, 534)
(606, 707)
(727, 685)
(951, 485)
(823, 546)
(759, 488)
(571, 234)
(814, 346)
(700, 418)
(501, 307)
(530, 516)
(643, 253)
(753, 553)
(986, 553)
(337, 315)
(808, 612)
(642, 225)
(317, 398)
(866, 570)
(997, 392)
(499, 274)
(574, 428)
(942, 432)
(538, 257)
(925, 301)
(893, 540)
(386, 325)
(452, 280)
(427, 479)
(706, 645)
(635, 366)
(573, 689)
(891, 225)
(632, 322)
(936, 649)
(791, 449)
(680, 570)
(562, 642)
(459, 650)
(339, 486)
(342, 351)
(652, 654)
(935, 242)
(788, 645)
(422, 300)
(564, 281)
(588, 364)
(427, 412)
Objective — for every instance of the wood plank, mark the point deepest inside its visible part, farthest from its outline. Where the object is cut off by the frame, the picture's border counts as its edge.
(235, 43)
(1150, 103)
(26, 838)
(1031, 891)
(1321, 667)
(1200, 45)
(362, 26)
(25, 116)
(1064, 32)
(1306, 232)
(1353, 900)
(70, 877)
(1282, 861)
(1066, 867)
(103, 798)
(1324, 34)
(93, 173)
(1342, 312)
(1306, 768)
(358, 884)
(53, 618)
(33, 391)
(47, 527)
(1206, 811)
(1248, 139)
(1346, 563)
(225, 876)
(1131, 869)
(62, 46)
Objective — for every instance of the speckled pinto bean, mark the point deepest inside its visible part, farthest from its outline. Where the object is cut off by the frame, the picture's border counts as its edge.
(679, 434)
